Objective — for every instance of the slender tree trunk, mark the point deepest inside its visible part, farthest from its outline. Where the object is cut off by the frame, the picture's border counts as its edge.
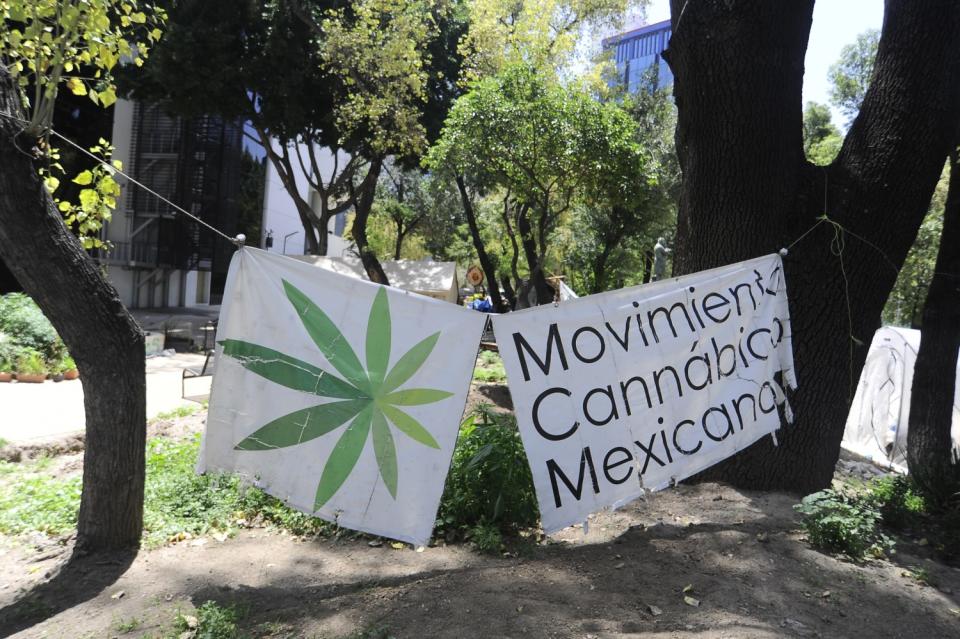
(363, 202)
(509, 292)
(930, 453)
(106, 342)
(399, 243)
(647, 266)
(323, 240)
(538, 279)
(748, 191)
(489, 270)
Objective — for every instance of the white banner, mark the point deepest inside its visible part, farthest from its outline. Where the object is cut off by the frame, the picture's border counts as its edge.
(341, 397)
(637, 388)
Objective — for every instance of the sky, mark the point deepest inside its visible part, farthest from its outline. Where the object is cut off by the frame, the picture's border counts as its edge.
(835, 24)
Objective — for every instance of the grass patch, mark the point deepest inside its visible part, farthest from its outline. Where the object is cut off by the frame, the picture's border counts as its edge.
(212, 621)
(489, 368)
(178, 412)
(177, 500)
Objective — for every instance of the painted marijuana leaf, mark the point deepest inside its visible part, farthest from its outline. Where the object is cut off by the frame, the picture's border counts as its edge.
(368, 397)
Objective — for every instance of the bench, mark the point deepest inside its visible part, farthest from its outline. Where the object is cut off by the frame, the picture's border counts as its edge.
(199, 388)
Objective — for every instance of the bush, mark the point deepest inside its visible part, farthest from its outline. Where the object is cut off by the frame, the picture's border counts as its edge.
(843, 523)
(30, 362)
(26, 327)
(489, 481)
(899, 504)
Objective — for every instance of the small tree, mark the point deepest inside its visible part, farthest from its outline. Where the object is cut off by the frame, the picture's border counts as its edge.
(850, 76)
(544, 145)
(46, 45)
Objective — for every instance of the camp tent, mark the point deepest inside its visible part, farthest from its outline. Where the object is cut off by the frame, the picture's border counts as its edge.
(877, 424)
(426, 277)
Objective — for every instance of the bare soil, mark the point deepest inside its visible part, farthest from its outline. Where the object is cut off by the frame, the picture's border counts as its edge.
(736, 556)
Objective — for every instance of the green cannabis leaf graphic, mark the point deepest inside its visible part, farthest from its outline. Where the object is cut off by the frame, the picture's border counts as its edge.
(369, 397)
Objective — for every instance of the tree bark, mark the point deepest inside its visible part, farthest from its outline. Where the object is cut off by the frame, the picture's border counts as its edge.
(748, 191)
(363, 202)
(930, 454)
(538, 279)
(106, 342)
(489, 270)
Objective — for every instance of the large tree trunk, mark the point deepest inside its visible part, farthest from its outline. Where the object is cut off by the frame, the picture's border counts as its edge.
(930, 452)
(748, 191)
(363, 202)
(102, 337)
(489, 270)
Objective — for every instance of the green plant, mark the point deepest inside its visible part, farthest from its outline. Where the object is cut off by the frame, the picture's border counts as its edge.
(486, 537)
(177, 500)
(213, 621)
(68, 363)
(844, 523)
(489, 480)
(31, 362)
(127, 625)
(900, 505)
(25, 326)
(178, 412)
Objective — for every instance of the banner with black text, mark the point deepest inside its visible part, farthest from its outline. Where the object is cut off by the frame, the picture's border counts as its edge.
(638, 388)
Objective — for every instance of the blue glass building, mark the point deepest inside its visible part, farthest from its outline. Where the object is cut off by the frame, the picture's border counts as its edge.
(637, 50)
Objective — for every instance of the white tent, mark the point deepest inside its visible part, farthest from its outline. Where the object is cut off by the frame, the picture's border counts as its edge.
(426, 277)
(877, 424)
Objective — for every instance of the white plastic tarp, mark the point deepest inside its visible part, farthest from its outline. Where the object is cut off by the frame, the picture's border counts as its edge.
(426, 277)
(341, 397)
(879, 415)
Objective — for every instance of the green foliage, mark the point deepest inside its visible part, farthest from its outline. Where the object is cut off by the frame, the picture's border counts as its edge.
(97, 198)
(486, 537)
(489, 483)
(900, 505)
(31, 500)
(177, 500)
(905, 303)
(844, 523)
(30, 362)
(25, 327)
(850, 75)
(821, 138)
(541, 33)
(75, 43)
(489, 368)
(214, 621)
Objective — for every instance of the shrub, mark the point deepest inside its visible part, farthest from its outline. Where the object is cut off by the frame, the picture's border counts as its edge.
(30, 362)
(899, 504)
(26, 326)
(843, 523)
(489, 481)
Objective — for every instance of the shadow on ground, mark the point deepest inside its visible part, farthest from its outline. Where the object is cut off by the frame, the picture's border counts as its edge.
(77, 579)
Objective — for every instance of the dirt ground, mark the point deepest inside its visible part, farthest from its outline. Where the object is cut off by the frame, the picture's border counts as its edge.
(737, 557)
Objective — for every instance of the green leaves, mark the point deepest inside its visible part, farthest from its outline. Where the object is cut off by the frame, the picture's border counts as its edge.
(370, 395)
